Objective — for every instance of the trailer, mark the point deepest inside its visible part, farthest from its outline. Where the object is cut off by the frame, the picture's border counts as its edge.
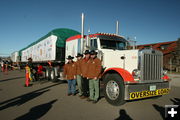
(49, 48)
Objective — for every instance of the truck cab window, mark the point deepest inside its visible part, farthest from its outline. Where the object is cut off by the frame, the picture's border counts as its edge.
(93, 44)
(111, 44)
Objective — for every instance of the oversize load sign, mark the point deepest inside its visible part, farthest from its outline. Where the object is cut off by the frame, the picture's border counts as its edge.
(144, 94)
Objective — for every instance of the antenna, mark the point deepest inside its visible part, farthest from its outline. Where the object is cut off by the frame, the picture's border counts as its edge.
(89, 30)
(134, 47)
(132, 41)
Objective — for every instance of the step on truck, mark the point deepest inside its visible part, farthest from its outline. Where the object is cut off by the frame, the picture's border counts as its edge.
(127, 74)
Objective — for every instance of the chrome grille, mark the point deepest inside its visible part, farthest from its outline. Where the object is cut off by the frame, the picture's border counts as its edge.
(151, 66)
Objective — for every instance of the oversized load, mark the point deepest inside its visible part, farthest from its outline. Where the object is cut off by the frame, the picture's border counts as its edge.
(50, 47)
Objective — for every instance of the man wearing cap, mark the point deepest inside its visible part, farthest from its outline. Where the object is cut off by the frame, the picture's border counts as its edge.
(93, 73)
(79, 72)
(70, 75)
(85, 82)
(31, 66)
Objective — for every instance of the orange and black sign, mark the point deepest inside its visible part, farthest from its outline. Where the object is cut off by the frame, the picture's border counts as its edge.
(144, 94)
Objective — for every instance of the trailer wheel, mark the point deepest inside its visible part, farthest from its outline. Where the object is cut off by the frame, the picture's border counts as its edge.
(53, 76)
(114, 89)
(47, 74)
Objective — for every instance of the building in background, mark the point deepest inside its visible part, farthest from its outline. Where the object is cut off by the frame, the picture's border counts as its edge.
(171, 53)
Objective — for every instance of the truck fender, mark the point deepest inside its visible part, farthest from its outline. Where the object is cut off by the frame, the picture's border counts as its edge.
(127, 77)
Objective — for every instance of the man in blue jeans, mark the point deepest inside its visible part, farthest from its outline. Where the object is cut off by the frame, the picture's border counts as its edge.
(70, 75)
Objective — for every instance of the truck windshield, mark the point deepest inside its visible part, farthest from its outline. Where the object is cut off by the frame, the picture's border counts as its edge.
(112, 44)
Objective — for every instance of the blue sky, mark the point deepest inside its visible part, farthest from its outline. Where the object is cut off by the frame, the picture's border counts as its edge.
(24, 21)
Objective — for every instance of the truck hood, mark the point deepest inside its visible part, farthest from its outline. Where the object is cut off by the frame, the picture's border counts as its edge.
(126, 59)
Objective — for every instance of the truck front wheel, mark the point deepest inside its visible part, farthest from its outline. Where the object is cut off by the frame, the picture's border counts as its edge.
(114, 89)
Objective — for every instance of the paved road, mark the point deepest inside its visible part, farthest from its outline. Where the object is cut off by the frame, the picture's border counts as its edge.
(48, 101)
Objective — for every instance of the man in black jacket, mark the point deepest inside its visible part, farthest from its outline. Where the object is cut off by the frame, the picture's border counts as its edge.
(30, 64)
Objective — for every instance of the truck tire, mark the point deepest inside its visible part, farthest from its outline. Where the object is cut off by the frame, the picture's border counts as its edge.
(114, 89)
(47, 73)
(53, 77)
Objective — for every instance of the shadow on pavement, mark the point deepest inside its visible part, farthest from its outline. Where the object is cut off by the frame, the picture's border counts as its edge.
(176, 101)
(161, 110)
(46, 81)
(37, 112)
(17, 101)
(22, 99)
(123, 115)
(11, 79)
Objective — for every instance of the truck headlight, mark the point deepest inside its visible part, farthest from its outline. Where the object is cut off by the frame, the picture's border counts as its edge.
(165, 77)
(136, 74)
(164, 72)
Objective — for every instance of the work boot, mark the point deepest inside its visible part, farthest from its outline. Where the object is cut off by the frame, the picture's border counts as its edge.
(83, 97)
(80, 96)
(69, 94)
(74, 94)
(95, 101)
(89, 100)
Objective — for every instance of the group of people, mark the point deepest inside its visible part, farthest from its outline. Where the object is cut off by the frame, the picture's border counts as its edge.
(4, 67)
(86, 72)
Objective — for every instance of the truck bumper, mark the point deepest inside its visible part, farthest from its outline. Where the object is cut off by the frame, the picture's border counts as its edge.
(138, 91)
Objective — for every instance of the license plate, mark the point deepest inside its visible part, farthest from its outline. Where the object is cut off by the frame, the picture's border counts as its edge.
(152, 88)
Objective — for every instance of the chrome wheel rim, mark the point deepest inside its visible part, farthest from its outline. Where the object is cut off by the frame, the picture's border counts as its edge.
(112, 90)
(47, 74)
(52, 75)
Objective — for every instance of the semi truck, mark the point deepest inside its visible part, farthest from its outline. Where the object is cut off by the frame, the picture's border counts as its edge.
(127, 74)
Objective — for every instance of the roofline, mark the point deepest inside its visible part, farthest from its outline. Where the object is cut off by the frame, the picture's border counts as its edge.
(52, 32)
(103, 34)
(157, 43)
